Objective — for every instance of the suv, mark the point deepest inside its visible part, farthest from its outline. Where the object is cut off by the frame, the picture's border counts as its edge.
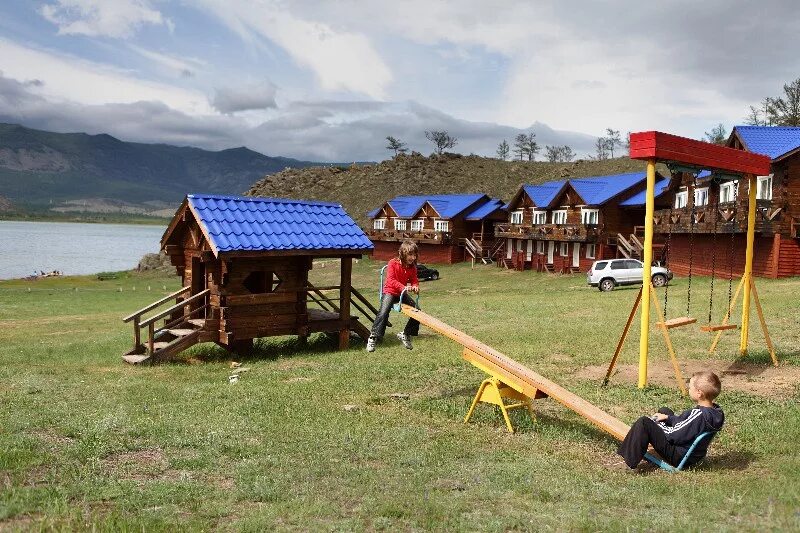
(605, 275)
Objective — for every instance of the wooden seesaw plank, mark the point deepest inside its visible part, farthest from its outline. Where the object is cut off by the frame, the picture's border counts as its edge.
(521, 376)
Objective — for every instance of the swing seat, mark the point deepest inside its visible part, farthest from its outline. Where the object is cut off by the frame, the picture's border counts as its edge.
(677, 322)
(718, 327)
(673, 469)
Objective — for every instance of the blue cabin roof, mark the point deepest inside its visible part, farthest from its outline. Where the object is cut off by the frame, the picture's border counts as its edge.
(597, 190)
(772, 141)
(544, 193)
(639, 198)
(235, 223)
(447, 205)
(486, 209)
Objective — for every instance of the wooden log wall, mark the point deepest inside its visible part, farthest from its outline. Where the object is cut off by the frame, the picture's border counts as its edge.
(428, 253)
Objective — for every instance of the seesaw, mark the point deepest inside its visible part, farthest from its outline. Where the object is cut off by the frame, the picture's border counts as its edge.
(514, 381)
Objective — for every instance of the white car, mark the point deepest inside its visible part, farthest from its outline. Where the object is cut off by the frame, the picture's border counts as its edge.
(607, 274)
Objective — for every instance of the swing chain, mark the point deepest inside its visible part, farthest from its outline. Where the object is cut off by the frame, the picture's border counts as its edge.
(713, 259)
(691, 242)
(666, 261)
(732, 241)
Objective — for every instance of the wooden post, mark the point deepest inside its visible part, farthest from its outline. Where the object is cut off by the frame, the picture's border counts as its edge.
(647, 260)
(344, 302)
(137, 340)
(748, 263)
(621, 342)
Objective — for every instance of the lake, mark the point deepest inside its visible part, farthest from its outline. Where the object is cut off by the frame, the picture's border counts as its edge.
(73, 248)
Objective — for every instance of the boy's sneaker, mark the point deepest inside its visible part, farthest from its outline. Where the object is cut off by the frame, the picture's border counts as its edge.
(371, 341)
(406, 340)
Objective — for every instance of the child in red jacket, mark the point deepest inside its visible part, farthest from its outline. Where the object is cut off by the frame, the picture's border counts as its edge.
(401, 274)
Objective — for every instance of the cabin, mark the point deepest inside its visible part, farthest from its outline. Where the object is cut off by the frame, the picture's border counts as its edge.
(716, 241)
(244, 264)
(448, 228)
(564, 226)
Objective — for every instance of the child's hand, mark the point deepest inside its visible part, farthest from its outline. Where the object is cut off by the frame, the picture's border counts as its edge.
(414, 289)
(659, 417)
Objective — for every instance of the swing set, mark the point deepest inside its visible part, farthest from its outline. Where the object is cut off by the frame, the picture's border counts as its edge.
(726, 164)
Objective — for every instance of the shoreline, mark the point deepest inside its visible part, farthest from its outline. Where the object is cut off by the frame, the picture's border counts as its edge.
(98, 218)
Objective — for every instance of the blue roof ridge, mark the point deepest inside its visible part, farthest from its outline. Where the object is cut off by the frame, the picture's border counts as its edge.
(264, 199)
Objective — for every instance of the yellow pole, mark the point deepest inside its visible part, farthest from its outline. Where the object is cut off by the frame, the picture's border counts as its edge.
(647, 259)
(748, 262)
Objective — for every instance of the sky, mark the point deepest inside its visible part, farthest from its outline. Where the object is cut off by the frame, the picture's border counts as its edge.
(329, 80)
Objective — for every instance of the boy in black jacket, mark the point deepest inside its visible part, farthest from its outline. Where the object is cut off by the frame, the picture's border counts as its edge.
(671, 435)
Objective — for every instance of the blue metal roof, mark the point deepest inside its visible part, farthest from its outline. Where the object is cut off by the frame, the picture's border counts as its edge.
(447, 205)
(599, 189)
(772, 141)
(639, 198)
(544, 193)
(485, 209)
(263, 224)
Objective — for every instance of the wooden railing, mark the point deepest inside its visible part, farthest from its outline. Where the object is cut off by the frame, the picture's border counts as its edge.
(316, 295)
(729, 217)
(428, 237)
(176, 312)
(548, 232)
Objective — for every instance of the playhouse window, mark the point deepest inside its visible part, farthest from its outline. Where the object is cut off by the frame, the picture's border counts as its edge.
(441, 225)
(417, 225)
(516, 216)
(379, 223)
(400, 225)
(726, 192)
(681, 199)
(540, 217)
(701, 196)
(764, 190)
(560, 216)
(590, 216)
(261, 281)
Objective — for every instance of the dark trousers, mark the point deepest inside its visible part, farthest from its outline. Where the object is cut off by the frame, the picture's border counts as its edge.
(387, 301)
(645, 432)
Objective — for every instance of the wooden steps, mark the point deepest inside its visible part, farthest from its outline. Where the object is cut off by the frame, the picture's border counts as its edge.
(180, 332)
(135, 359)
(170, 342)
(199, 322)
(718, 327)
(677, 322)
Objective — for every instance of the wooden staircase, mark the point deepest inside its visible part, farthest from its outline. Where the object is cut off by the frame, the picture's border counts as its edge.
(179, 332)
(480, 250)
(362, 305)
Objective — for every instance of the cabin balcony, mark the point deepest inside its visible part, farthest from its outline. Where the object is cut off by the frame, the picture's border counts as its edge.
(730, 217)
(420, 237)
(549, 232)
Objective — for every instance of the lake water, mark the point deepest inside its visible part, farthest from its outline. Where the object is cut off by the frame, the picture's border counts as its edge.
(73, 248)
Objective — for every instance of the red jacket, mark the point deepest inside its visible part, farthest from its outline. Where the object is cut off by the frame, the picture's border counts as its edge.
(398, 276)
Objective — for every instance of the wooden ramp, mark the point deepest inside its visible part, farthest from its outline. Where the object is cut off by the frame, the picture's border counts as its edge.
(519, 376)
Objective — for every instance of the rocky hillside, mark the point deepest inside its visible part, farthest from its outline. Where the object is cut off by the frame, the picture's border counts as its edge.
(362, 188)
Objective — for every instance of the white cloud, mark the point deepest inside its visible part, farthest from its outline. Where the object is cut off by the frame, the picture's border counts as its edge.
(109, 18)
(244, 98)
(185, 67)
(77, 80)
(341, 60)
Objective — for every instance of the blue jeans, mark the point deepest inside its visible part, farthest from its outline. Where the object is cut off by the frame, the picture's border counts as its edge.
(387, 301)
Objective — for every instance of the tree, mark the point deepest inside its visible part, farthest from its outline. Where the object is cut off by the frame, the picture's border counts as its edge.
(531, 146)
(503, 150)
(396, 145)
(785, 110)
(520, 143)
(601, 148)
(717, 135)
(613, 140)
(628, 141)
(556, 154)
(441, 140)
(566, 154)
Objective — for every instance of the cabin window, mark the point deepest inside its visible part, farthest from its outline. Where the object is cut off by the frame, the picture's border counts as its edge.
(540, 217)
(379, 223)
(261, 281)
(519, 245)
(681, 199)
(540, 247)
(563, 249)
(590, 216)
(400, 225)
(516, 216)
(701, 196)
(590, 251)
(764, 187)
(727, 191)
(441, 225)
(417, 225)
(560, 216)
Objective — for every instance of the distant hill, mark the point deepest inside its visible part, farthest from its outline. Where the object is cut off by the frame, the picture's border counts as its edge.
(362, 188)
(76, 171)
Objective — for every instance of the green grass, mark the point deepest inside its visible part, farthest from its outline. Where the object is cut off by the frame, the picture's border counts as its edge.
(87, 442)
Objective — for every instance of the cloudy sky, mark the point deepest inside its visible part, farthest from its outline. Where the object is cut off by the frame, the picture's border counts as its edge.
(329, 80)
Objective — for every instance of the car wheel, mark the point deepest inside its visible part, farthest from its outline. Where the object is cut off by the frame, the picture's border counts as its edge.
(659, 280)
(435, 276)
(606, 285)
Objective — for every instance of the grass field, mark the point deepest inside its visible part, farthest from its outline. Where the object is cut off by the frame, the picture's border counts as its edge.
(315, 439)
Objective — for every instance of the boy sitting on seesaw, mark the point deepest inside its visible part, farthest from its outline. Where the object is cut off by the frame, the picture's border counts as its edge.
(671, 435)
